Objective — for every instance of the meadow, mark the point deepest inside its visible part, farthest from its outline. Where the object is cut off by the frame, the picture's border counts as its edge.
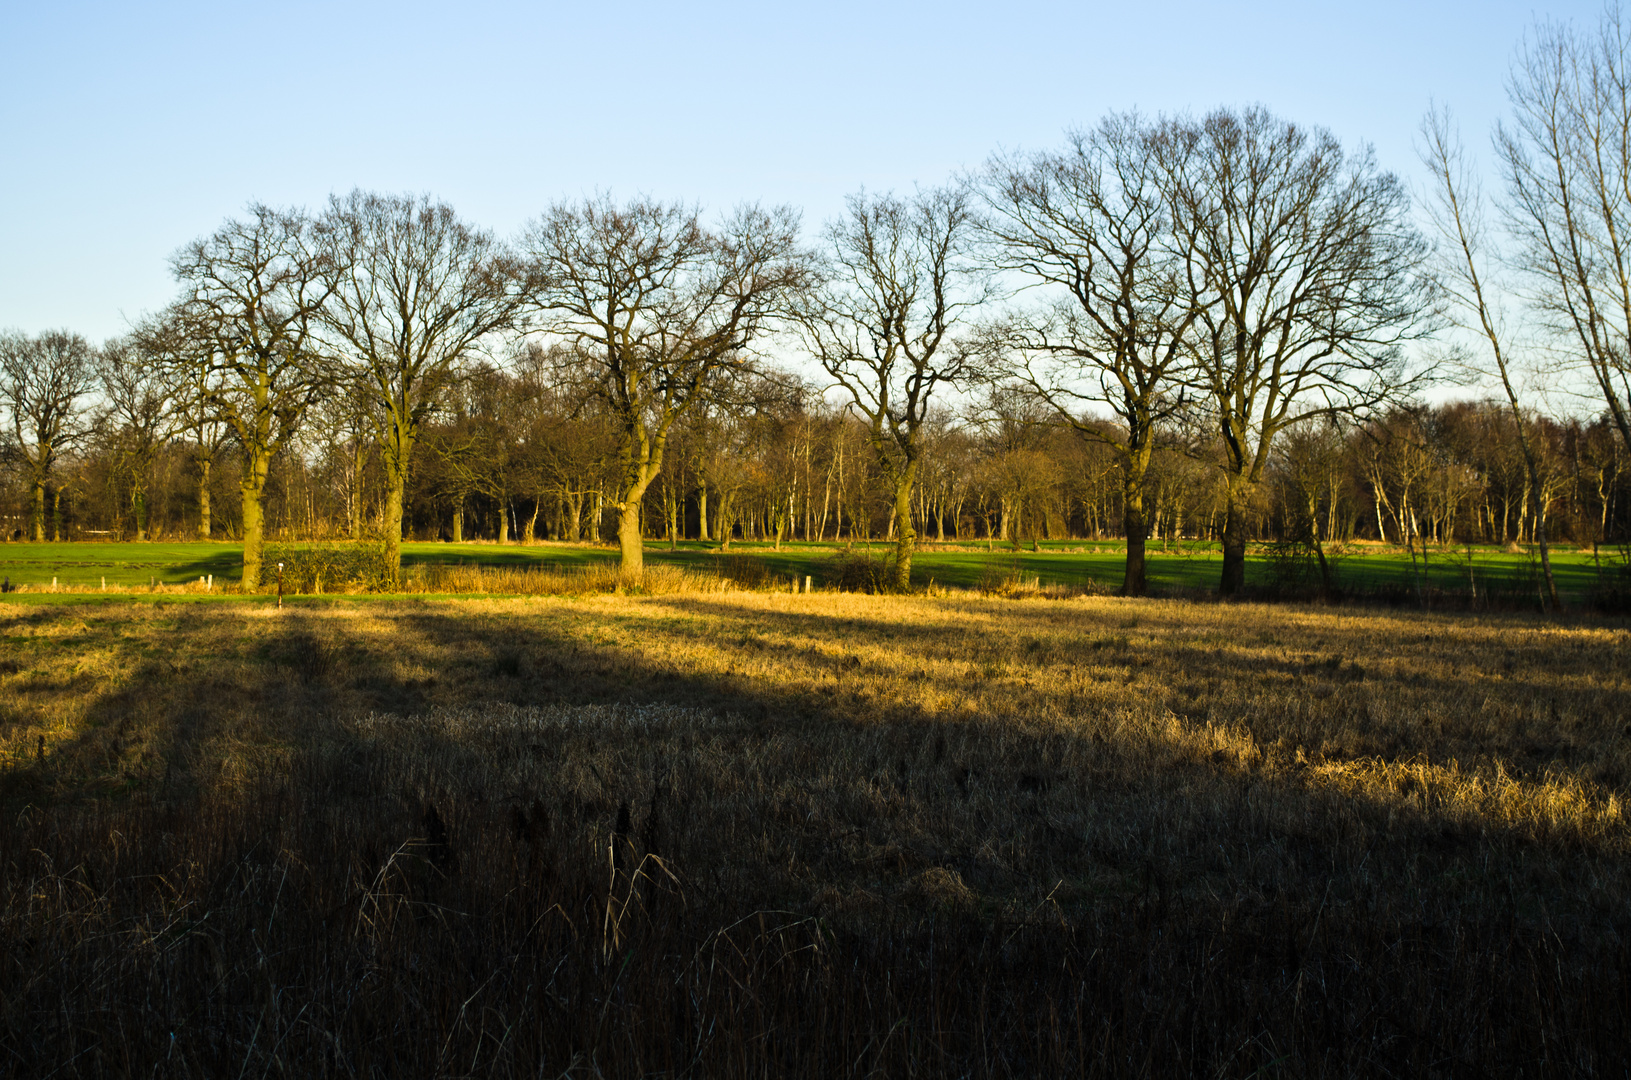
(717, 832)
(1188, 568)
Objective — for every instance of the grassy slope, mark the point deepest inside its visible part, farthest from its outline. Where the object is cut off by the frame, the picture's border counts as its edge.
(1191, 567)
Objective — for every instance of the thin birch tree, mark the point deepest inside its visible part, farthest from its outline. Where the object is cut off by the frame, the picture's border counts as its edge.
(1457, 213)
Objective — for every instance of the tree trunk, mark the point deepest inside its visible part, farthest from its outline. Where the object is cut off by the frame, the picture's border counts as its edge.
(724, 527)
(396, 483)
(1135, 582)
(630, 544)
(253, 489)
(572, 517)
(138, 506)
(1133, 521)
(905, 537)
(1311, 509)
(702, 511)
(458, 521)
(358, 462)
(204, 498)
(1331, 509)
(37, 504)
(1545, 551)
(1233, 578)
(397, 451)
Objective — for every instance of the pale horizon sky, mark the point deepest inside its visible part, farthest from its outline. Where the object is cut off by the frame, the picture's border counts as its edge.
(129, 131)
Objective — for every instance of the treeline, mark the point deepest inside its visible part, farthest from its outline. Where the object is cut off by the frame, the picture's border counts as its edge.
(508, 460)
(1216, 327)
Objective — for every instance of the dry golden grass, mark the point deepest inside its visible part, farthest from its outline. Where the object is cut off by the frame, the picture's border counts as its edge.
(1376, 786)
(1510, 725)
(1469, 709)
(602, 577)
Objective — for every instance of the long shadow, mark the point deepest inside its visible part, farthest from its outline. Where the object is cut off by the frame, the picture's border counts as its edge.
(525, 663)
(1092, 869)
(224, 566)
(1318, 668)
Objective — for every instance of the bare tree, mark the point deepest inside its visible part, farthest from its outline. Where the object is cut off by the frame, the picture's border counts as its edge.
(1303, 269)
(1567, 159)
(345, 419)
(415, 292)
(141, 402)
(662, 313)
(1456, 211)
(244, 335)
(900, 280)
(162, 346)
(42, 383)
(1307, 464)
(1090, 226)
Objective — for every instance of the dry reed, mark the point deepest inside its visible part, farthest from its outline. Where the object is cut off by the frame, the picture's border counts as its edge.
(752, 834)
(550, 580)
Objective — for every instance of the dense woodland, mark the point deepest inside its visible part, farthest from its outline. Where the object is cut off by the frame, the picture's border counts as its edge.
(1230, 328)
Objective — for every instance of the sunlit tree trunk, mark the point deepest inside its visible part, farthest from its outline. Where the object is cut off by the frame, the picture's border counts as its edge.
(138, 507)
(252, 488)
(396, 483)
(359, 462)
(905, 535)
(37, 509)
(204, 526)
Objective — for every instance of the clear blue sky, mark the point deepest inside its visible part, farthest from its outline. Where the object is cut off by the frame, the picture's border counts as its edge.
(127, 130)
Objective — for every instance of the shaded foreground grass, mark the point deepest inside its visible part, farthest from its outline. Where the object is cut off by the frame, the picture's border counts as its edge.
(759, 834)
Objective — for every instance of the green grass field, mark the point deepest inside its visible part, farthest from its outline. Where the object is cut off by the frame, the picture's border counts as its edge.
(122, 567)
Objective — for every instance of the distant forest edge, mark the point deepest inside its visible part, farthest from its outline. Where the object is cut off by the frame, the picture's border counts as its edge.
(1455, 468)
(1219, 328)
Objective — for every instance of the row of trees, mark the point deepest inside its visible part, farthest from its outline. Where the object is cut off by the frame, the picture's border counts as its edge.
(1161, 289)
(509, 458)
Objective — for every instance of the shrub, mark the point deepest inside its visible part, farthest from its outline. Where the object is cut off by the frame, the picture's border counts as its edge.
(551, 580)
(343, 567)
(746, 571)
(858, 571)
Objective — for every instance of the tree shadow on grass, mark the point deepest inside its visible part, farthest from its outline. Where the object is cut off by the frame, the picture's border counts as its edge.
(846, 885)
